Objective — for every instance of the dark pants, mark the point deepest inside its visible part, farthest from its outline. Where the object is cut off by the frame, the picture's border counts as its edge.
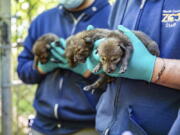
(87, 131)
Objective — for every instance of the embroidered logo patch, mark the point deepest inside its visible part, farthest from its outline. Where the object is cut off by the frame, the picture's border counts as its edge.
(170, 18)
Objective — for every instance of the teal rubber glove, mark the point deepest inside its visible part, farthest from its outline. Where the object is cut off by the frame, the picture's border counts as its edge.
(90, 27)
(50, 65)
(93, 59)
(140, 68)
(57, 54)
(141, 64)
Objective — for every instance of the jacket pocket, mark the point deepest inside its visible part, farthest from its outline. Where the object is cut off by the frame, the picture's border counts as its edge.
(48, 96)
(105, 109)
(133, 124)
(175, 129)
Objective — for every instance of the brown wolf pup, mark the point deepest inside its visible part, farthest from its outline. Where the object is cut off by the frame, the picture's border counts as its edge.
(41, 48)
(80, 45)
(117, 49)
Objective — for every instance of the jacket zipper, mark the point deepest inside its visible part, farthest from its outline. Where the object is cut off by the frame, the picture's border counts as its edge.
(60, 83)
(143, 2)
(76, 21)
(56, 106)
(118, 91)
(106, 132)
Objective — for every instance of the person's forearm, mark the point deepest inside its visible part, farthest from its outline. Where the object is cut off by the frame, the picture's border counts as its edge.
(167, 73)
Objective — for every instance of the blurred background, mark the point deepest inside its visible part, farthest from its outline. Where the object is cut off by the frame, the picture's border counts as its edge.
(19, 95)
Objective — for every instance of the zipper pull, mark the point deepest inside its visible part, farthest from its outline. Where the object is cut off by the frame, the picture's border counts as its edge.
(142, 4)
(127, 133)
(56, 106)
(60, 83)
(106, 132)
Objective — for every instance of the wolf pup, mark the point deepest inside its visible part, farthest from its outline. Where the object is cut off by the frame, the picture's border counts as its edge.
(80, 46)
(117, 49)
(41, 48)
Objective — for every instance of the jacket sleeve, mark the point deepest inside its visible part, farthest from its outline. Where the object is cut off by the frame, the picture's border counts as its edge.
(25, 59)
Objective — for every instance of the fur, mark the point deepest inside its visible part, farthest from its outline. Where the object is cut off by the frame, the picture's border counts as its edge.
(41, 48)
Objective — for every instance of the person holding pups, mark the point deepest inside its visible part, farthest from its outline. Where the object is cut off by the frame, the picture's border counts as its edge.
(62, 107)
(146, 98)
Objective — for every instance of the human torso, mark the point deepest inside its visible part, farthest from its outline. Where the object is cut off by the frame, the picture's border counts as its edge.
(137, 105)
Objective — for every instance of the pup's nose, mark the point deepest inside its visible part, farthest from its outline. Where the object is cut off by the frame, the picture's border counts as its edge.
(109, 71)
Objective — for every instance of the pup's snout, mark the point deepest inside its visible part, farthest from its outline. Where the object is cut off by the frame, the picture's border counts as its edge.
(109, 70)
(82, 60)
(75, 60)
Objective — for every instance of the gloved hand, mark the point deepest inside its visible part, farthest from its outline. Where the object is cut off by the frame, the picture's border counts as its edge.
(94, 58)
(57, 54)
(141, 64)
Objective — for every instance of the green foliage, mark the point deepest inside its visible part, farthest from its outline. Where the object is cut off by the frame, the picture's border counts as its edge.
(23, 12)
(22, 107)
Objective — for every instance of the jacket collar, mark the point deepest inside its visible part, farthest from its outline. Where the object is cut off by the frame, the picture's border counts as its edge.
(90, 11)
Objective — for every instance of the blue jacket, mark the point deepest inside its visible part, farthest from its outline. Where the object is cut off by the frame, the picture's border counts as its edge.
(141, 107)
(61, 104)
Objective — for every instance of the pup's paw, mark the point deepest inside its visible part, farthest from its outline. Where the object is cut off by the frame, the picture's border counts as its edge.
(154, 49)
(123, 69)
(96, 69)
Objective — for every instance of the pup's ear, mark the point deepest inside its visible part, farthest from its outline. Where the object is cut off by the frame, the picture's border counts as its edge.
(35, 63)
(88, 40)
(48, 46)
(97, 51)
(122, 46)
